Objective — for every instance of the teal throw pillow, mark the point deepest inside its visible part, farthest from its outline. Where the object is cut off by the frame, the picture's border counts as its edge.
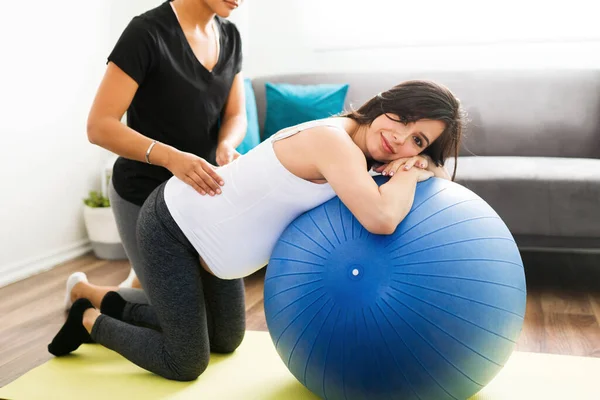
(252, 138)
(289, 105)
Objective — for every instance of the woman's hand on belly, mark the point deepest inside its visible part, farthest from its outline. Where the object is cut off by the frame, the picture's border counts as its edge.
(195, 171)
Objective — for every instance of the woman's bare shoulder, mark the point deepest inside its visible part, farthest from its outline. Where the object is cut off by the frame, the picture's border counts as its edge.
(330, 142)
(329, 133)
(319, 139)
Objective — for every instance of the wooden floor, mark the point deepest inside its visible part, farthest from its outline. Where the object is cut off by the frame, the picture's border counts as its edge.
(563, 308)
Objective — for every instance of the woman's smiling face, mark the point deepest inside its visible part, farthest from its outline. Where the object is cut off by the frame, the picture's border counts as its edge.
(388, 140)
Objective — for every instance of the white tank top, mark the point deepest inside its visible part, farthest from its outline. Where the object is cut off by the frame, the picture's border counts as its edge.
(235, 232)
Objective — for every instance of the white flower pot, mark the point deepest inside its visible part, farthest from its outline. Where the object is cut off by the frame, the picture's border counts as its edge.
(102, 231)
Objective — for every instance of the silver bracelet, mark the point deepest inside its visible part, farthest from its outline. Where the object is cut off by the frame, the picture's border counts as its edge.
(149, 150)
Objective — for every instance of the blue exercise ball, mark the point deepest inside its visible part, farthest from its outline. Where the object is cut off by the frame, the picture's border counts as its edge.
(432, 311)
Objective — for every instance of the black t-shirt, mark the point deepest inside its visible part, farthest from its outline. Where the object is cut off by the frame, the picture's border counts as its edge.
(178, 102)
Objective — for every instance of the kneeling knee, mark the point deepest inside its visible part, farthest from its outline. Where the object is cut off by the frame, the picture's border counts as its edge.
(188, 370)
(228, 343)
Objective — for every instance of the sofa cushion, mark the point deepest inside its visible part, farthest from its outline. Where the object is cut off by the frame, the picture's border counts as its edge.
(540, 196)
(289, 105)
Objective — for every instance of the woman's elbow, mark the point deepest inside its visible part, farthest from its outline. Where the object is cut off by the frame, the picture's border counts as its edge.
(94, 130)
(382, 227)
(386, 223)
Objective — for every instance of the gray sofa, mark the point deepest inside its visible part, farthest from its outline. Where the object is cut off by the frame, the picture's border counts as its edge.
(532, 149)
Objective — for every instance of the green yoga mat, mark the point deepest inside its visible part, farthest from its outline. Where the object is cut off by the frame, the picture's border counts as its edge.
(255, 372)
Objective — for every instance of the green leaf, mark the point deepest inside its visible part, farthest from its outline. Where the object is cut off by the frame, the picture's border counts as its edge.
(96, 200)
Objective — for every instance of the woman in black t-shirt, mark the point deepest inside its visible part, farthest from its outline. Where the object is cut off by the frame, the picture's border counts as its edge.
(176, 70)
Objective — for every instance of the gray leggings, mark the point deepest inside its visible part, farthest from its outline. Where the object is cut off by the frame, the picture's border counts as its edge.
(192, 311)
(126, 216)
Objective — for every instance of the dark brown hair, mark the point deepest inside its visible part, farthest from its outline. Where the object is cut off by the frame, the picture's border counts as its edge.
(420, 99)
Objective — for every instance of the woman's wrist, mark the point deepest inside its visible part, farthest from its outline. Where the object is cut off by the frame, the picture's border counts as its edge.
(161, 155)
(225, 142)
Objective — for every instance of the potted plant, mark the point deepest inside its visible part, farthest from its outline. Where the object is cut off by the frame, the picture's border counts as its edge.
(102, 228)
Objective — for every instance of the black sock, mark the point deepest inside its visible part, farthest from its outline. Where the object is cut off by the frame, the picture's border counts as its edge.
(73, 333)
(113, 305)
(88, 339)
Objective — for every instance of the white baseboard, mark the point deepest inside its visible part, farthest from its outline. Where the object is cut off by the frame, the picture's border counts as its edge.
(24, 269)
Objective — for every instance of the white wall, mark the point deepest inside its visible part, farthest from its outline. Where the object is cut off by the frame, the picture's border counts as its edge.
(241, 18)
(390, 35)
(52, 59)
(52, 62)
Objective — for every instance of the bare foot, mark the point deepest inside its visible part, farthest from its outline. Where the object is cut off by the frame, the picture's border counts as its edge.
(89, 318)
(78, 290)
(95, 294)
